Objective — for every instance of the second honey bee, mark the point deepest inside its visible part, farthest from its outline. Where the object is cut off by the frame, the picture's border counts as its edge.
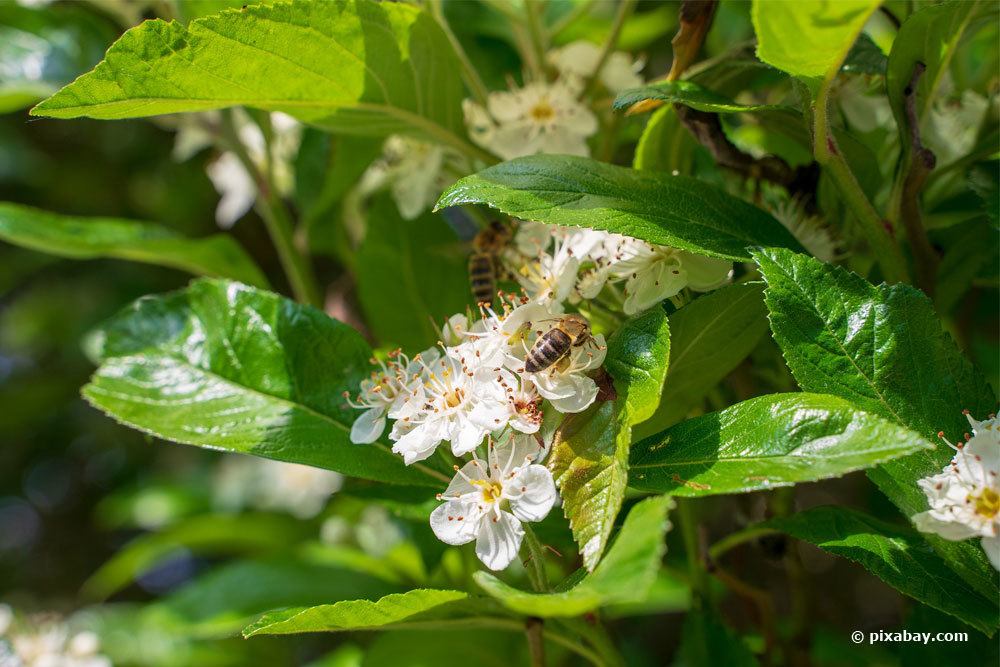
(486, 249)
(555, 344)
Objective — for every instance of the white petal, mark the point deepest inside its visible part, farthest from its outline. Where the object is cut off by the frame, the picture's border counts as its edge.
(368, 427)
(949, 530)
(531, 493)
(991, 545)
(582, 396)
(474, 470)
(466, 436)
(652, 284)
(417, 445)
(456, 522)
(499, 540)
(705, 273)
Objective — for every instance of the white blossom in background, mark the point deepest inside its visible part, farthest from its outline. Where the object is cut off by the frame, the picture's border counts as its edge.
(964, 498)
(811, 231)
(864, 103)
(577, 61)
(952, 125)
(250, 482)
(46, 641)
(538, 118)
(415, 172)
(236, 188)
(488, 500)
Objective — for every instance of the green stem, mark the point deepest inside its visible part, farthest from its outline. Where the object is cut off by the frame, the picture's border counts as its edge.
(536, 38)
(734, 540)
(536, 563)
(276, 219)
(472, 78)
(598, 637)
(625, 8)
(571, 16)
(534, 629)
(827, 153)
(689, 533)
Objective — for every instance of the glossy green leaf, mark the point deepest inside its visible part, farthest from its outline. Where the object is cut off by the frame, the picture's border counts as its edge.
(589, 459)
(665, 144)
(689, 94)
(668, 210)
(624, 575)
(865, 57)
(709, 337)
(353, 66)
(764, 442)
(412, 276)
(881, 348)
(209, 534)
(900, 557)
(90, 238)
(225, 600)
(809, 38)
(225, 366)
(418, 606)
(44, 48)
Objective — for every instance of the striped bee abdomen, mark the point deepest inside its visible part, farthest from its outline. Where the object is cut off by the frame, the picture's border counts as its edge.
(547, 350)
(482, 277)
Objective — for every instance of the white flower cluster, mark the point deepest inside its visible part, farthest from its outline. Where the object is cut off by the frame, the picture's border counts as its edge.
(476, 389)
(46, 642)
(554, 264)
(964, 498)
(243, 482)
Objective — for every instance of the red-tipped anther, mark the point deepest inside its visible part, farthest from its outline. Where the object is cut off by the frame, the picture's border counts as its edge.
(965, 412)
(941, 434)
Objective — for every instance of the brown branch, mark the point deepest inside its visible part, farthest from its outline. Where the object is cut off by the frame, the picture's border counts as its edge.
(919, 161)
(533, 628)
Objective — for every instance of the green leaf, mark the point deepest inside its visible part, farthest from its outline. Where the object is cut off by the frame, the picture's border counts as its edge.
(44, 48)
(707, 642)
(227, 599)
(412, 275)
(214, 534)
(224, 366)
(865, 57)
(929, 36)
(352, 66)
(900, 557)
(589, 459)
(398, 610)
(90, 238)
(667, 210)
(764, 442)
(624, 575)
(709, 337)
(689, 94)
(881, 348)
(809, 38)
(665, 144)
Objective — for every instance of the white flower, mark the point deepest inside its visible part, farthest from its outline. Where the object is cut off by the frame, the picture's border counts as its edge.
(488, 500)
(952, 125)
(653, 273)
(864, 105)
(452, 403)
(414, 171)
(45, 641)
(964, 498)
(248, 481)
(385, 389)
(235, 186)
(809, 230)
(578, 60)
(538, 118)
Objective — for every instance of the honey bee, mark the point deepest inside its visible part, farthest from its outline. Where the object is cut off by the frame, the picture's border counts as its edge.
(486, 248)
(555, 344)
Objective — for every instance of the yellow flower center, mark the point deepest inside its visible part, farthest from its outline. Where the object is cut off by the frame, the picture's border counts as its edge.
(543, 112)
(491, 490)
(454, 397)
(987, 503)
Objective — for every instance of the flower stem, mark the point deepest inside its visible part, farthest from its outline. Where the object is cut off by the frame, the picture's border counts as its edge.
(689, 533)
(571, 16)
(827, 153)
(536, 645)
(625, 8)
(276, 219)
(536, 37)
(535, 565)
(734, 540)
(472, 78)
